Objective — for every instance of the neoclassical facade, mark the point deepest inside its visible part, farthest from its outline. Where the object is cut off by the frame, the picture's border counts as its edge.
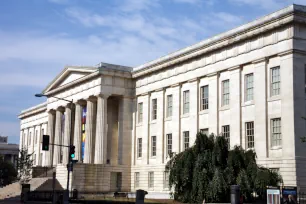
(247, 84)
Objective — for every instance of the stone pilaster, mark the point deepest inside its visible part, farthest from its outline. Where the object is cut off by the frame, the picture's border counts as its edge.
(49, 154)
(77, 139)
(66, 139)
(101, 130)
(57, 137)
(90, 132)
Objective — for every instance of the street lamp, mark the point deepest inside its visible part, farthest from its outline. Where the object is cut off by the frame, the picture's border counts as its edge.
(70, 139)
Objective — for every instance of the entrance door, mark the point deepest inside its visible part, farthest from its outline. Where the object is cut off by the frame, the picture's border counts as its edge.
(116, 181)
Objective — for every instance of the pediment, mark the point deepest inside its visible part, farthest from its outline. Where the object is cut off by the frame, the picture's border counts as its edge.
(69, 75)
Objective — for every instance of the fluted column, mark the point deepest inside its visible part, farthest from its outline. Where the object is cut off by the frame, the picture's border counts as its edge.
(78, 131)
(57, 137)
(67, 132)
(49, 154)
(90, 132)
(101, 130)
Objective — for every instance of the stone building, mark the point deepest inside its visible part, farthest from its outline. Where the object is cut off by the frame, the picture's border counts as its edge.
(247, 84)
(8, 152)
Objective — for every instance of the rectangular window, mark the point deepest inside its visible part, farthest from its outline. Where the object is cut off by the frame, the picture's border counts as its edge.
(276, 139)
(275, 81)
(169, 144)
(169, 105)
(153, 146)
(204, 131)
(185, 102)
(204, 97)
(140, 112)
(186, 139)
(166, 179)
(36, 136)
(136, 184)
(226, 134)
(139, 150)
(249, 134)
(225, 93)
(154, 109)
(249, 87)
(151, 179)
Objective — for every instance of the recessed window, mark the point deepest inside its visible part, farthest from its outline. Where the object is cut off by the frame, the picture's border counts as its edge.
(166, 179)
(226, 134)
(185, 102)
(204, 131)
(153, 146)
(140, 112)
(249, 134)
(139, 149)
(225, 93)
(151, 179)
(186, 139)
(136, 182)
(169, 105)
(275, 81)
(154, 109)
(204, 97)
(249, 87)
(169, 144)
(276, 131)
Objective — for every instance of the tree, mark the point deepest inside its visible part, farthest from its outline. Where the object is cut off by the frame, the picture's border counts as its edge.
(24, 166)
(208, 169)
(8, 173)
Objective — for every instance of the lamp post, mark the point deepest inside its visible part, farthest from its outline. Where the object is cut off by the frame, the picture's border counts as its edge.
(70, 139)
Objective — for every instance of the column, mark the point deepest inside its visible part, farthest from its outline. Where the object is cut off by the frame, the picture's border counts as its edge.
(21, 140)
(90, 132)
(66, 139)
(78, 131)
(213, 98)
(49, 154)
(57, 137)
(101, 130)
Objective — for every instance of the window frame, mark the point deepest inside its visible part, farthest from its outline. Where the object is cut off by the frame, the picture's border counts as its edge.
(204, 99)
(140, 112)
(278, 82)
(276, 142)
(151, 179)
(249, 89)
(136, 179)
(169, 144)
(226, 132)
(225, 95)
(186, 101)
(154, 108)
(153, 146)
(169, 105)
(186, 140)
(166, 179)
(250, 135)
(139, 147)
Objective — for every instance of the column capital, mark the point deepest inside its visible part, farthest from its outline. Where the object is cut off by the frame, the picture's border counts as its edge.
(105, 96)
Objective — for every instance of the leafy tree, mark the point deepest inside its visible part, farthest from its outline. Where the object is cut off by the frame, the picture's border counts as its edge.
(8, 173)
(24, 166)
(208, 169)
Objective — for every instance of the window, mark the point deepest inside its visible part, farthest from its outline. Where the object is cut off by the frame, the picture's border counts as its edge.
(151, 179)
(140, 109)
(166, 179)
(36, 135)
(30, 138)
(169, 105)
(186, 139)
(154, 109)
(249, 134)
(275, 81)
(136, 184)
(276, 139)
(204, 131)
(139, 150)
(226, 134)
(249, 87)
(185, 102)
(204, 97)
(225, 93)
(153, 146)
(169, 144)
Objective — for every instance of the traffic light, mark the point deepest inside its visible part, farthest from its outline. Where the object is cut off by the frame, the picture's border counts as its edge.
(45, 143)
(72, 152)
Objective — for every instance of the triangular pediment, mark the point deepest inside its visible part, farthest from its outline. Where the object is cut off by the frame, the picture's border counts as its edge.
(68, 76)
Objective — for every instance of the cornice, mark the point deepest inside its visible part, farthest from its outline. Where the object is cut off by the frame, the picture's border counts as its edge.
(254, 28)
(32, 111)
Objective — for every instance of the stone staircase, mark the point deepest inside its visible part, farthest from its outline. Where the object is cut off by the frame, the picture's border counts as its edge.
(38, 184)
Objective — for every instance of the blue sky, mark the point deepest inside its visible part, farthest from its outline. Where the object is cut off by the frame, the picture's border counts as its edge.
(40, 37)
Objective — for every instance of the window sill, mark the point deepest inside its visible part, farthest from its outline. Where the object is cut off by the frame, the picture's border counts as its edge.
(204, 112)
(168, 118)
(138, 124)
(276, 148)
(227, 107)
(186, 115)
(153, 157)
(253, 149)
(139, 158)
(274, 98)
(248, 103)
(153, 121)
